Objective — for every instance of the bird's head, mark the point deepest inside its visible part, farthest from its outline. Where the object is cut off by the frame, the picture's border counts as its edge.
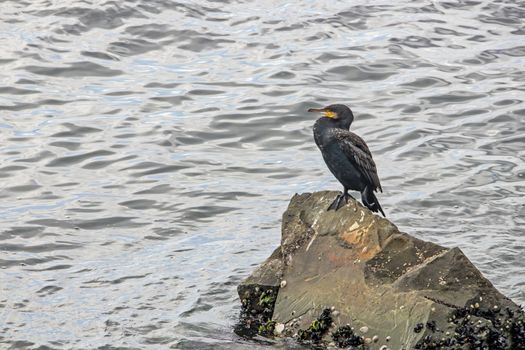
(339, 114)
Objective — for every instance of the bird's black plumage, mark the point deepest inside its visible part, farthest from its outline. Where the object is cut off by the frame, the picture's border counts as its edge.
(347, 156)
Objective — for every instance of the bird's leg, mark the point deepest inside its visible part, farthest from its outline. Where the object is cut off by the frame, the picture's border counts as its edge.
(340, 200)
(343, 199)
(346, 195)
(335, 203)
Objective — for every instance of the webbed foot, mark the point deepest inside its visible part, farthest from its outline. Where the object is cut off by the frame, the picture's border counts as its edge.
(339, 201)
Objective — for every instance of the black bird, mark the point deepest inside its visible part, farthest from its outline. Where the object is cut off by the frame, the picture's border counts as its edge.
(347, 156)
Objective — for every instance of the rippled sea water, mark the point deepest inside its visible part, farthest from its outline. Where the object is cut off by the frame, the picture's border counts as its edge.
(148, 149)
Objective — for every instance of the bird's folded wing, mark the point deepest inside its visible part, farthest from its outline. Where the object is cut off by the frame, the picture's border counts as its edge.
(358, 153)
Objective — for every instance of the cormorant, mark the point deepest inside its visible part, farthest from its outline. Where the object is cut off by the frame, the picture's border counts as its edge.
(347, 156)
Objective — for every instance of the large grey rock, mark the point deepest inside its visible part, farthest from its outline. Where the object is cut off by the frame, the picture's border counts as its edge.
(394, 290)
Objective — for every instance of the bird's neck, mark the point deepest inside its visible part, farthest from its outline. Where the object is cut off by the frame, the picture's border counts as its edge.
(322, 136)
(330, 123)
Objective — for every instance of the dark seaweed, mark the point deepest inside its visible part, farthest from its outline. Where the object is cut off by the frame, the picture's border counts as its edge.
(494, 330)
(344, 337)
(257, 311)
(418, 328)
(314, 333)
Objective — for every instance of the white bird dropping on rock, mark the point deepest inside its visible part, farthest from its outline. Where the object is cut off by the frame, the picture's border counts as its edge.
(279, 328)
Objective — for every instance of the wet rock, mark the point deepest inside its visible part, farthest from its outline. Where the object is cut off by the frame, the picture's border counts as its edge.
(414, 294)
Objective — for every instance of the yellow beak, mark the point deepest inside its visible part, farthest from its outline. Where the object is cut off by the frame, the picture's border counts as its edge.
(327, 113)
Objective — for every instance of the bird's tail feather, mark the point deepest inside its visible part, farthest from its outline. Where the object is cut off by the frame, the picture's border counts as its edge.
(370, 201)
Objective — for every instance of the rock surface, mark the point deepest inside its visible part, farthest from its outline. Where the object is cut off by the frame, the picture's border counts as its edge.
(351, 279)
